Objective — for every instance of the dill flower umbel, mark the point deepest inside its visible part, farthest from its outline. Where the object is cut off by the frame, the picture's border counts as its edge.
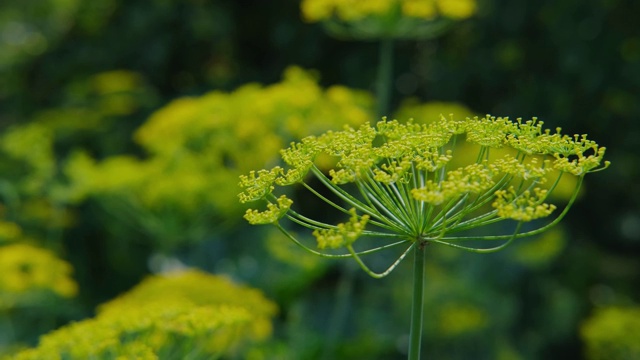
(387, 18)
(201, 145)
(26, 271)
(402, 182)
(350, 10)
(611, 333)
(190, 315)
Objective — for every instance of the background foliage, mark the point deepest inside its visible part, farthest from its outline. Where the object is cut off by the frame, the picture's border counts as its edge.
(126, 123)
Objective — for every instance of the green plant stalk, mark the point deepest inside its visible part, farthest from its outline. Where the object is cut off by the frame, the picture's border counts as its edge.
(417, 307)
(385, 76)
(424, 203)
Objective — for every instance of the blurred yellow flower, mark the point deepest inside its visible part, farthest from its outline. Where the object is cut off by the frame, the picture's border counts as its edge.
(182, 315)
(353, 10)
(459, 319)
(31, 146)
(457, 9)
(9, 231)
(116, 91)
(27, 269)
(543, 250)
(199, 287)
(198, 146)
(611, 333)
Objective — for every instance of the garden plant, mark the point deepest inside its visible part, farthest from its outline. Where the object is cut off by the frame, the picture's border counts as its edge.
(399, 219)
(399, 185)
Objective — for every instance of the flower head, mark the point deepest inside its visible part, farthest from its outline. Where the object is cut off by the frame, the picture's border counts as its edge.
(272, 214)
(405, 181)
(354, 10)
(201, 145)
(378, 18)
(259, 184)
(205, 315)
(26, 270)
(526, 206)
(343, 234)
(473, 178)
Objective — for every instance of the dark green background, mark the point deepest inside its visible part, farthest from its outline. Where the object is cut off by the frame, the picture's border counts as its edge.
(572, 63)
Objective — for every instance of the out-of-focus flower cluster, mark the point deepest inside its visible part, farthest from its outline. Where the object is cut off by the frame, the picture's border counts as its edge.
(405, 186)
(31, 145)
(33, 213)
(612, 333)
(34, 153)
(399, 155)
(196, 147)
(384, 18)
(28, 274)
(350, 10)
(185, 315)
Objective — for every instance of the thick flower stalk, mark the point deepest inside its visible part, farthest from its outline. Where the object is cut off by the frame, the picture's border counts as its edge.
(403, 184)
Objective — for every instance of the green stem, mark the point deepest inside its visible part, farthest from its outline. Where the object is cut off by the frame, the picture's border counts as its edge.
(369, 272)
(574, 196)
(337, 256)
(385, 76)
(415, 335)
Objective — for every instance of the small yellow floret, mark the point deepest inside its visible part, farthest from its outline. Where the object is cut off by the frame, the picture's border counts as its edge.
(272, 214)
(489, 131)
(581, 164)
(473, 178)
(344, 234)
(393, 172)
(530, 170)
(522, 207)
(258, 185)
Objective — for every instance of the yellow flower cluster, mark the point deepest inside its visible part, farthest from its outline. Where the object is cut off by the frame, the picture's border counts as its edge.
(522, 207)
(353, 10)
(116, 91)
(344, 233)
(542, 250)
(188, 315)
(406, 186)
(528, 143)
(272, 214)
(612, 333)
(200, 145)
(9, 231)
(461, 318)
(32, 146)
(26, 270)
(472, 179)
(258, 184)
